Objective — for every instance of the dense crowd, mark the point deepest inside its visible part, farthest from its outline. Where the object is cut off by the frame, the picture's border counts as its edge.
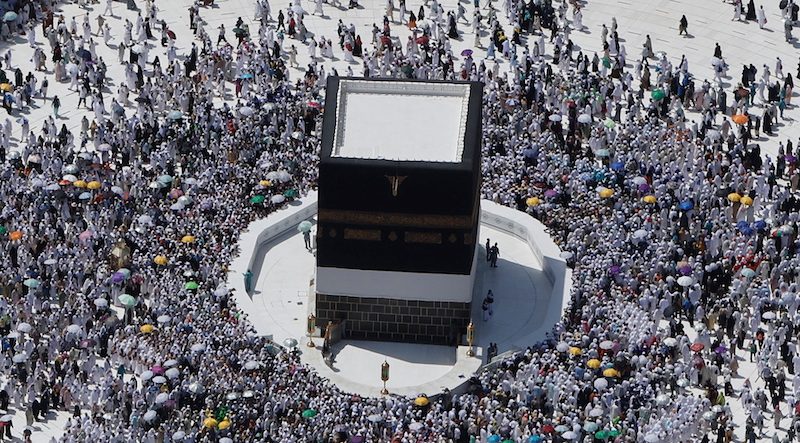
(116, 237)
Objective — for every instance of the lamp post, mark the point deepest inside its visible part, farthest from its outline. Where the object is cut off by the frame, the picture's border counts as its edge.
(312, 324)
(384, 376)
(470, 338)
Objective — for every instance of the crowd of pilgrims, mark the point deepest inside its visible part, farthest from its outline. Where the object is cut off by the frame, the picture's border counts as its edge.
(116, 237)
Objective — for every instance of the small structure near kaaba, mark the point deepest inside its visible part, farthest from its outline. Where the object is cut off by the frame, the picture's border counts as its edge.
(399, 192)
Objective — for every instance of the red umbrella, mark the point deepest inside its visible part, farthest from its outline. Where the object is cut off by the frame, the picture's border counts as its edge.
(422, 40)
(548, 428)
(170, 34)
(697, 347)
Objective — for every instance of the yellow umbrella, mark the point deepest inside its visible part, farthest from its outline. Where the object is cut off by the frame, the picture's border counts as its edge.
(746, 200)
(224, 424)
(734, 197)
(7, 87)
(533, 201)
(265, 183)
(421, 401)
(79, 183)
(606, 193)
(649, 199)
(94, 184)
(610, 372)
(160, 260)
(210, 422)
(575, 351)
(593, 363)
(146, 329)
(187, 239)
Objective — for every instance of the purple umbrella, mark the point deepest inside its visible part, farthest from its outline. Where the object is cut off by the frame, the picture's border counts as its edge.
(118, 277)
(644, 187)
(685, 269)
(466, 52)
(550, 193)
(614, 269)
(790, 159)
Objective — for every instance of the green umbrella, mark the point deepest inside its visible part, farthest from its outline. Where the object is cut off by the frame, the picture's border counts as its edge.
(127, 300)
(614, 432)
(257, 199)
(657, 94)
(192, 285)
(304, 226)
(601, 434)
(3, 230)
(309, 413)
(290, 193)
(609, 123)
(31, 283)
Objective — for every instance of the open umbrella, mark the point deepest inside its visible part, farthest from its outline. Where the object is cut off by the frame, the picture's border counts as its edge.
(584, 118)
(257, 199)
(100, 302)
(74, 329)
(172, 373)
(290, 342)
(466, 52)
(159, 380)
(606, 344)
(309, 413)
(31, 283)
(277, 199)
(697, 347)
(657, 94)
(192, 285)
(740, 119)
(175, 115)
(127, 300)
(24, 327)
(685, 281)
(150, 415)
(164, 318)
(10, 16)
(304, 226)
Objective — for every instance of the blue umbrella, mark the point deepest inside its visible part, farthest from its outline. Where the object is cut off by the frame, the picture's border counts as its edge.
(10, 16)
(246, 75)
(686, 205)
(742, 224)
(84, 54)
(617, 166)
(494, 438)
(534, 439)
(760, 225)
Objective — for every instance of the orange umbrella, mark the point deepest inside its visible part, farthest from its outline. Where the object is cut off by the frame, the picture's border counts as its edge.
(740, 119)
(15, 235)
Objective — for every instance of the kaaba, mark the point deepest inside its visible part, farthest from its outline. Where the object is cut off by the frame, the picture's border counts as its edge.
(399, 191)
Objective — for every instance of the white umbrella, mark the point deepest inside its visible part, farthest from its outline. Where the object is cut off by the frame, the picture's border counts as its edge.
(104, 147)
(606, 344)
(52, 187)
(671, 342)
(100, 302)
(375, 418)
(162, 398)
(768, 315)
(170, 363)
(195, 388)
(685, 281)
(70, 169)
(277, 199)
(198, 347)
(50, 261)
(284, 176)
(639, 234)
(19, 358)
(150, 415)
(74, 329)
(596, 412)
(569, 435)
(246, 111)
(173, 373)
(639, 180)
(225, 440)
(651, 438)
(416, 426)
(159, 380)
(117, 190)
(24, 327)
(663, 399)
(178, 436)
(584, 118)
(250, 365)
(145, 219)
(70, 178)
(138, 48)
(146, 375)
(554, 118)
(562, 347)
(177, 207)
(164, 318)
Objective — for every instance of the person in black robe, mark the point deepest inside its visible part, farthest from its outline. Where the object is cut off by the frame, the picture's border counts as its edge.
(452, 30)
(767, 123)
(751, 11)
